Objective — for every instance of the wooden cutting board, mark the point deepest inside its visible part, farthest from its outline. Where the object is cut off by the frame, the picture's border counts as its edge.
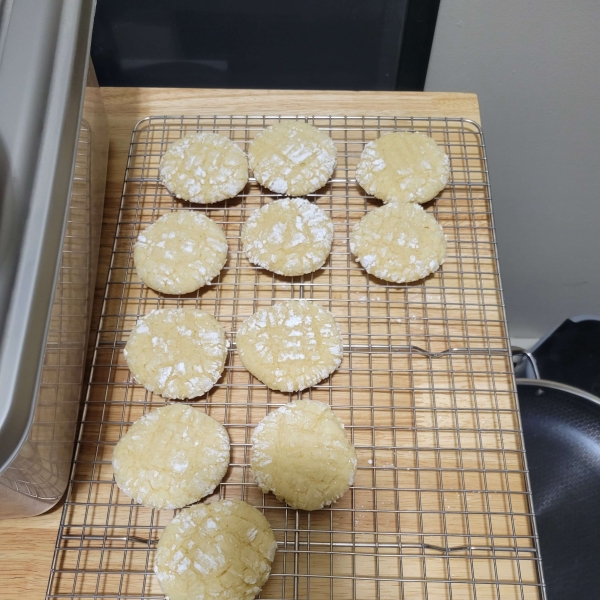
(28, 544)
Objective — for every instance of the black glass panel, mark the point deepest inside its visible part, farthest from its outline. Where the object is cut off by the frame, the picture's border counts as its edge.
(303, 44)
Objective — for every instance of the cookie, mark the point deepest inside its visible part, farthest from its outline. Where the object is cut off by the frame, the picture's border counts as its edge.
(220, 550)
(180, 253)
(301, 453)
(292, 157)
(289, 237)
(171, 457)
(177, 352)
(398, 242)
(403, 167)
(204, 168)
(290, 346)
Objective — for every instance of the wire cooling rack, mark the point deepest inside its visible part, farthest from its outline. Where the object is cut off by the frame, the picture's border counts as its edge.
(441, 507)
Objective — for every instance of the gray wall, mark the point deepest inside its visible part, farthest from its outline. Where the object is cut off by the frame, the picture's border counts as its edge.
(536, 67)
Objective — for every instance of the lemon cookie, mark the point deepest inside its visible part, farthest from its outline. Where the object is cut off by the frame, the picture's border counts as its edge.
(292, 158)
(204, 168)
(177, 352)
(180, 253)
(301, 454)
(291, 345)
(220, 550)
(406, 167)
(290, 237)
(398, 242)
(171, 457)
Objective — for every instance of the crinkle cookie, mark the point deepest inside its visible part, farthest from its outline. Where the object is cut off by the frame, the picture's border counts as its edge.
(223, 550)
(177, 352)
(171, 457)
(291, 345)
(398, 242)
(180, 253)
(403, 167)
(204, 168)
(292, 157)
(289, 237)
(301, 454)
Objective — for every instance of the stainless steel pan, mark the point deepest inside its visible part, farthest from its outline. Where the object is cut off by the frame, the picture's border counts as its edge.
(53, 149)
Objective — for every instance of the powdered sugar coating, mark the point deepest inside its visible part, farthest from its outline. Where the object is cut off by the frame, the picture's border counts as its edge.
(403, 167)
(180, 252)
(290, 346)
(223, 550)
(171, 457)
(291, 236)
(204, 168)
(301, 453)
(177, 352)
(398, 242)
(292, 157)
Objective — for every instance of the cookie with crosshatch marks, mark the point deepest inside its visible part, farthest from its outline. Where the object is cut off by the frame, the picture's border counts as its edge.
(171, 457)
(222, 550)
(180, 252)
(289, 237)
(292, 157)
(291, 345)
(398, 242)
(403, 167)
(301, 453)
(178, 353)
(204, 168)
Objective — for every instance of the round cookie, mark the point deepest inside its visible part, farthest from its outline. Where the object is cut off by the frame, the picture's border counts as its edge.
(180, 253)
(292, 157)
(204, 168)
(301, 453)
(171, 457)
(291, 236)
(177, 352)
(220, 550)
(398, 242)
(290, 346)
(403, 167)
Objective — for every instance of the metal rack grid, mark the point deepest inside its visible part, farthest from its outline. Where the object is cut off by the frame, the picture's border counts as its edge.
(441, 506)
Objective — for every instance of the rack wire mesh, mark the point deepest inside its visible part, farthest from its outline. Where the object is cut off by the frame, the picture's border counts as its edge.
(441, 506)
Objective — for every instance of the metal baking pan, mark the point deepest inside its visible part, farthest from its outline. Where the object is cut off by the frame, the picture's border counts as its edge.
(53, 149)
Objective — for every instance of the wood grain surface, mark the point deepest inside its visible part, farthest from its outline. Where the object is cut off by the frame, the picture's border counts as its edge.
(27, 544)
